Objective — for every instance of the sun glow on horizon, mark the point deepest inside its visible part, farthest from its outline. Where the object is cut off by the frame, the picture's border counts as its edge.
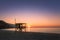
(28, 25)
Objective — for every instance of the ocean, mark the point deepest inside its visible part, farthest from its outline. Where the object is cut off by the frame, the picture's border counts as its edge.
(43, 30)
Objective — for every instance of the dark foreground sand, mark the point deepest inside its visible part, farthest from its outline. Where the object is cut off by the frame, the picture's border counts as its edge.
(9, 35)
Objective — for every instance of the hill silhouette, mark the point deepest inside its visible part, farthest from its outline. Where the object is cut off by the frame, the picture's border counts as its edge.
(4, 25)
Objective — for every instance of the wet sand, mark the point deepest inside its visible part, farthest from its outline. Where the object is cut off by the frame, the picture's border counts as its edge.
(11, 35)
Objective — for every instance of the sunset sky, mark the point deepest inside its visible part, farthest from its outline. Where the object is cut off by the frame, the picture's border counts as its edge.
(33, 12)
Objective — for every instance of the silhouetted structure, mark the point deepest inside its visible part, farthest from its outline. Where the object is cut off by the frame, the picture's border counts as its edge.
(21, 26)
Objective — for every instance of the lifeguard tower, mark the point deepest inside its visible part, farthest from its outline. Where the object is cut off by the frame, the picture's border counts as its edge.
(21, 27)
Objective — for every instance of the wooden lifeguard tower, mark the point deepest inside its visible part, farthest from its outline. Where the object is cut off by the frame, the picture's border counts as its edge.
(21, 27)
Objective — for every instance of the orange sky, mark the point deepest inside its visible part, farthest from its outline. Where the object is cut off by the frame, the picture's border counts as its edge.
(34, 13)
(34, 20)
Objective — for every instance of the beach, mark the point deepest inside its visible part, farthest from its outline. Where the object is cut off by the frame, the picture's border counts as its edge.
(16, 35)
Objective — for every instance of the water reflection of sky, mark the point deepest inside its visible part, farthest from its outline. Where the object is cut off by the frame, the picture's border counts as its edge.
(44, 30)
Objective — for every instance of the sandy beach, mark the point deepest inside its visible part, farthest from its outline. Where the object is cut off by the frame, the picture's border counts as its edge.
(10, 35)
